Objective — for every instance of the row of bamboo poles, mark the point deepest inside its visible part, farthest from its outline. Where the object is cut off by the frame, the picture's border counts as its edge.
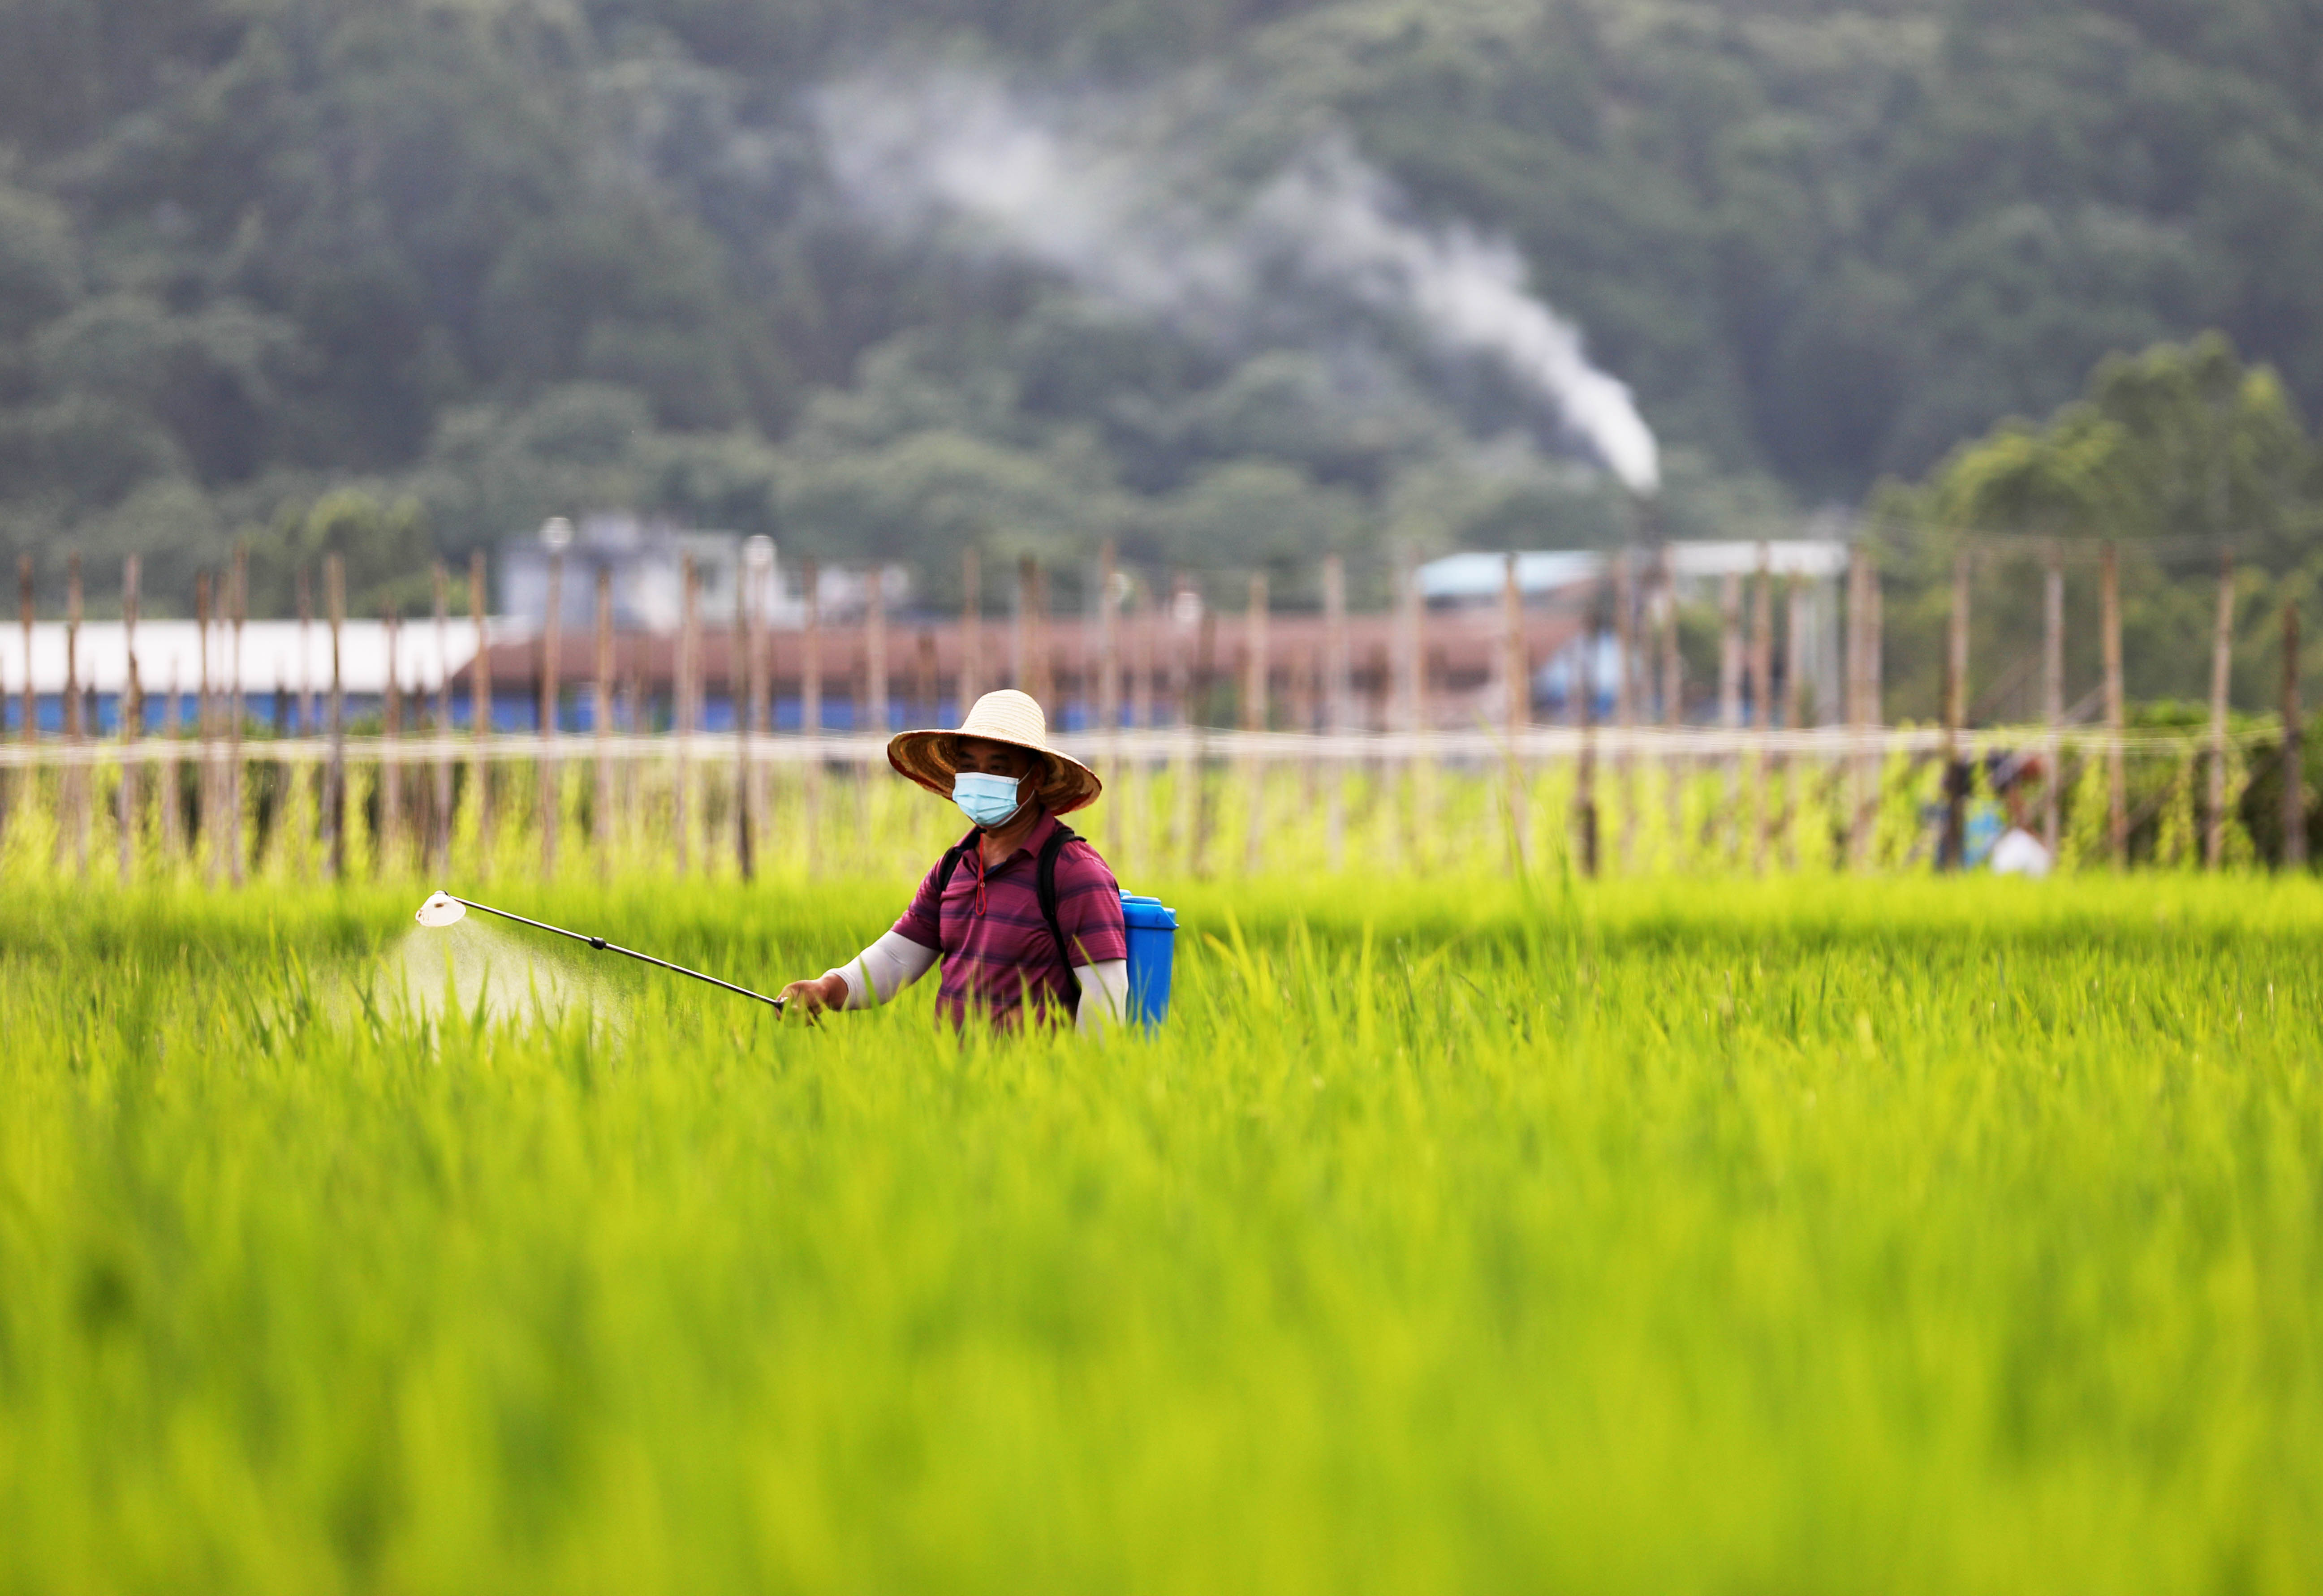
(1758, 749)
(1200, 801)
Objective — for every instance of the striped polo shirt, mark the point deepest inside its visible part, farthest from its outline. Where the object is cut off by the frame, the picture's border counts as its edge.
(996, 950)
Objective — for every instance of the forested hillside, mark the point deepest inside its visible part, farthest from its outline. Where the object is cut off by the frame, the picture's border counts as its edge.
(499, 258)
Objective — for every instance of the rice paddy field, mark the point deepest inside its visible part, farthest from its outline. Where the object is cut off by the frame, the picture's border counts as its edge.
(1458, 1236)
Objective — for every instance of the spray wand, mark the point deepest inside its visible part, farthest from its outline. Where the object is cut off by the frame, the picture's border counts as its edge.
(442, 909)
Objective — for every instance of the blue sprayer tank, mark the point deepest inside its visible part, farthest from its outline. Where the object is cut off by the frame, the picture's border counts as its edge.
(1152, 942)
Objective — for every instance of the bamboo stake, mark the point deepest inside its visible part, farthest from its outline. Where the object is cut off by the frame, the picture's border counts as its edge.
(1762, 705)
(306, 653)
(1673, 766)
(133, 720)
(11, 788)
(1306, 711)
(1101, 668)
(210, 713)
(1795, 648)
(2117, 778)
(76, 776)
(1797, 645)
(440, 833)
(637, 708)
(1302, 698)
(682, 705)
(1184, 819)
(2294, 768)
(858, 779)
(335, 807)
(1142, 665)
(480, 715)
(2052, 695)
(1876, 663)
(168, 799)
(1625, 700)
(1584, 711)
(552, 660)
(1039, 681)
(1107, 697)
(1516, 710)
(1625, 639)
(922, 707)
(1109, 642)
(1729, 701)
(1730, 651)
(388, 847)
(29, 720)
(1673, 663)
(206, 815)
(811, 713)
(1952, 853)
(1255, 674)
(1761, 664)
(971, 629)
(2222, 661)
(306, 686)
(1336, 707)
(1420, 823)
(1020, 632)
(1851, 709)
(1406, 645)
(759, 571)
(601, 724)
(875, 651)
(237, 709)
(1863, 704)
(740, 680)
(1205, 663)
(1399, 690)
(1138, 822)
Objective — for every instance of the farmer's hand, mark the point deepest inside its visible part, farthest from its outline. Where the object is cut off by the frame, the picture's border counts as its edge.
(810, 999)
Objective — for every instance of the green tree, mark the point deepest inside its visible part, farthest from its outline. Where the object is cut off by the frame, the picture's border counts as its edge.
(2179, 455)
(387, 549)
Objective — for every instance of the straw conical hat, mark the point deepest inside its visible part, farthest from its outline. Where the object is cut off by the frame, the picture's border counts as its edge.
(1007, 716)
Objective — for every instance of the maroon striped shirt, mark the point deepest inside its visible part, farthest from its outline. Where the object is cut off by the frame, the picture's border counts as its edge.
(997, 953)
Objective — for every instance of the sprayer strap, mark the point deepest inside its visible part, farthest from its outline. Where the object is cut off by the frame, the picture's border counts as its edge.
(950, 862)
(1044, 884)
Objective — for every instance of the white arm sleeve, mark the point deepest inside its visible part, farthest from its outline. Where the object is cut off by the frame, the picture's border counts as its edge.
(883, 969)
(1105, 994)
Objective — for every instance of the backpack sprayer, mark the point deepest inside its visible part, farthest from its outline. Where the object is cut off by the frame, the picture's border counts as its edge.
(1152, 946)
(442, 909)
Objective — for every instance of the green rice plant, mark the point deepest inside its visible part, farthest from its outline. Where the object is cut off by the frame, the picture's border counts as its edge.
(293, 847)
(1483, 1234)
(2178, 841)
(28, 844)
(2240, 850)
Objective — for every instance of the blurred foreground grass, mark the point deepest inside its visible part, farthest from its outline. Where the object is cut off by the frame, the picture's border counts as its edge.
(1798, 1236)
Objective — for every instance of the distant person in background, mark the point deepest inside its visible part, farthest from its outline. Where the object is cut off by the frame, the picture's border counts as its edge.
(1023, 914)
(2016, 851)
(2020, 853)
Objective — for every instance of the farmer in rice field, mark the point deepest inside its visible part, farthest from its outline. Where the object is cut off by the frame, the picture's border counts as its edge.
(1024, 915)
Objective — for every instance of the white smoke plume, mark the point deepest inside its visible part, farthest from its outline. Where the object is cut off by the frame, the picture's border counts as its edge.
(956, 151)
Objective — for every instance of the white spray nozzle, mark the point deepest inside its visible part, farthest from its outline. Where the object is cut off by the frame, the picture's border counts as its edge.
(442, 909)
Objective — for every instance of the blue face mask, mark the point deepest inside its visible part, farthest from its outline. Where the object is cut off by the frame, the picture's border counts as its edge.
(986, 799)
